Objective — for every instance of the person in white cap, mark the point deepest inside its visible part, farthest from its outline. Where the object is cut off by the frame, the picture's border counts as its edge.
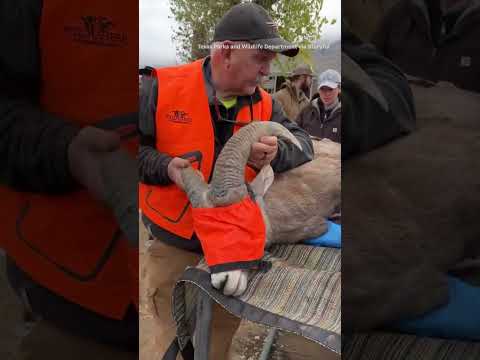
(323, 117)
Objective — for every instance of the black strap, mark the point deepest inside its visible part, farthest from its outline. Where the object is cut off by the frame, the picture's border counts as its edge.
(203, 320)
(204, 315)
(174, 349)
(188, 352)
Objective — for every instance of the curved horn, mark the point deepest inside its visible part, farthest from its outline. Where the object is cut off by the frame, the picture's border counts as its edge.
(195, 187)
(229, 172)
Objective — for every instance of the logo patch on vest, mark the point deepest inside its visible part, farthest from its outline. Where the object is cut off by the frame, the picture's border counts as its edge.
(179, 116)
(465, 61)
(96, 30)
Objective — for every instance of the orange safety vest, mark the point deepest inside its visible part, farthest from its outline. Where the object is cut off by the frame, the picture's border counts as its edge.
(184, 129)
(70, 243)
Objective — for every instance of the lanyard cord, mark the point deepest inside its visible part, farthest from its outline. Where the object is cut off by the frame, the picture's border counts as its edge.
(240, 123)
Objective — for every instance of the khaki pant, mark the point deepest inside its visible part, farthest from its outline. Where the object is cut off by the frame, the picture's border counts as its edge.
(162, 265)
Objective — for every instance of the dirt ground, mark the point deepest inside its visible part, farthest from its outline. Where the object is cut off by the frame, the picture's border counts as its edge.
(249, 339)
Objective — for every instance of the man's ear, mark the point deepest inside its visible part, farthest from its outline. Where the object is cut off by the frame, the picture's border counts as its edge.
(262, 181)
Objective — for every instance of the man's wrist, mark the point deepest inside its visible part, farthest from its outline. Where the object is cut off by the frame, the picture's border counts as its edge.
(70, 131)
(163, 170)
(280, 147)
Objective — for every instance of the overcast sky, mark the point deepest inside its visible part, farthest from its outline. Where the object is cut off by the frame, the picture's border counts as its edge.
(156, 44)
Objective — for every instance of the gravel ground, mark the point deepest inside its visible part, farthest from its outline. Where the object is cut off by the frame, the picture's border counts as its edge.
(248, 342)
(248, 345)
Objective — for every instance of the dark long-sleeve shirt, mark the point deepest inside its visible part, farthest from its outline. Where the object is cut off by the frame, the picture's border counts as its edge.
(366, 124)
(153, 164)
(33, 143)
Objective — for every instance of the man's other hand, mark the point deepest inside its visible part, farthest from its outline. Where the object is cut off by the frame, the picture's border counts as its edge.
(84, 157)
(263, 152)
(174, 170)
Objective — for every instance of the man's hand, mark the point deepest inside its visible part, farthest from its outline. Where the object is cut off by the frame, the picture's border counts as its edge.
(109, 173)
(263, 152)
(84, 157)
(233, 283)
(174, 170)
(120, 177)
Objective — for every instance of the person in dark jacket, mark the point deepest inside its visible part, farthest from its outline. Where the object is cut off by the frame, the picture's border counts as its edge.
(377, 103)
(323, 117)
(434, 40)
(63, 95)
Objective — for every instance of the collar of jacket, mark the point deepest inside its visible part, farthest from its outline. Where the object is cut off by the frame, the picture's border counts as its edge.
(319, 106)
(297, 94)
(241, 100)
(423, 10)
(472, 10)
(463, 20)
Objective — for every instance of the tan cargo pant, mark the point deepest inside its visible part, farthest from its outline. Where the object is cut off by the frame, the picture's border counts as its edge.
(161, 266)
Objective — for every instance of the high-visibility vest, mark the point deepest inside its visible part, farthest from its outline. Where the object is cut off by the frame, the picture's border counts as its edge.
(70, 243)
(184, 129)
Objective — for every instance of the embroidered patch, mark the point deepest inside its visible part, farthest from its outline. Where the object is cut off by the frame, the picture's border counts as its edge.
(96, 30)
(179, 116)
(465, 61)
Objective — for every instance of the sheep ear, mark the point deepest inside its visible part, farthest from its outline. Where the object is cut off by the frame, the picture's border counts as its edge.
(262, 181)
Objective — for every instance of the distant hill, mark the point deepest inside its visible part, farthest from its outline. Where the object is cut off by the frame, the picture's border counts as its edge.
(327, 57)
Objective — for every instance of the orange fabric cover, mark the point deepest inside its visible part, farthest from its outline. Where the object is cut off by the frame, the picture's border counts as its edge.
(231, 234)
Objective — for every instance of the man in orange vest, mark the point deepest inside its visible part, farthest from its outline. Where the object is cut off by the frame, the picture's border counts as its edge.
(69, 220)
(186, 117)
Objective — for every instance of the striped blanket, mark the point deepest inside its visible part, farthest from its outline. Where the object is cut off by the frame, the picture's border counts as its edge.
(383, 346)
(299, 294)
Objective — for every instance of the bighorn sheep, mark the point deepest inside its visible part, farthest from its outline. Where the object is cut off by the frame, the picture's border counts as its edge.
(411, 209)
(411, 212)
(297, 202)
(294, 207)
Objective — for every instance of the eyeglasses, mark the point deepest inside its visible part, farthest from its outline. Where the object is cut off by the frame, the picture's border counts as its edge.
(235, 122)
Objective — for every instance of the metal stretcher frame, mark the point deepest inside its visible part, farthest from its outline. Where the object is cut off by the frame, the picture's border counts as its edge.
(206, 294)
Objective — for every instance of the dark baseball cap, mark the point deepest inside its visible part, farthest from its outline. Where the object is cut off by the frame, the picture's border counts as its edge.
(250, 22)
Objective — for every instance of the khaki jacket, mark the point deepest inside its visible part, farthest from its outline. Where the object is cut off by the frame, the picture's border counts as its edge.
(292, 100)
